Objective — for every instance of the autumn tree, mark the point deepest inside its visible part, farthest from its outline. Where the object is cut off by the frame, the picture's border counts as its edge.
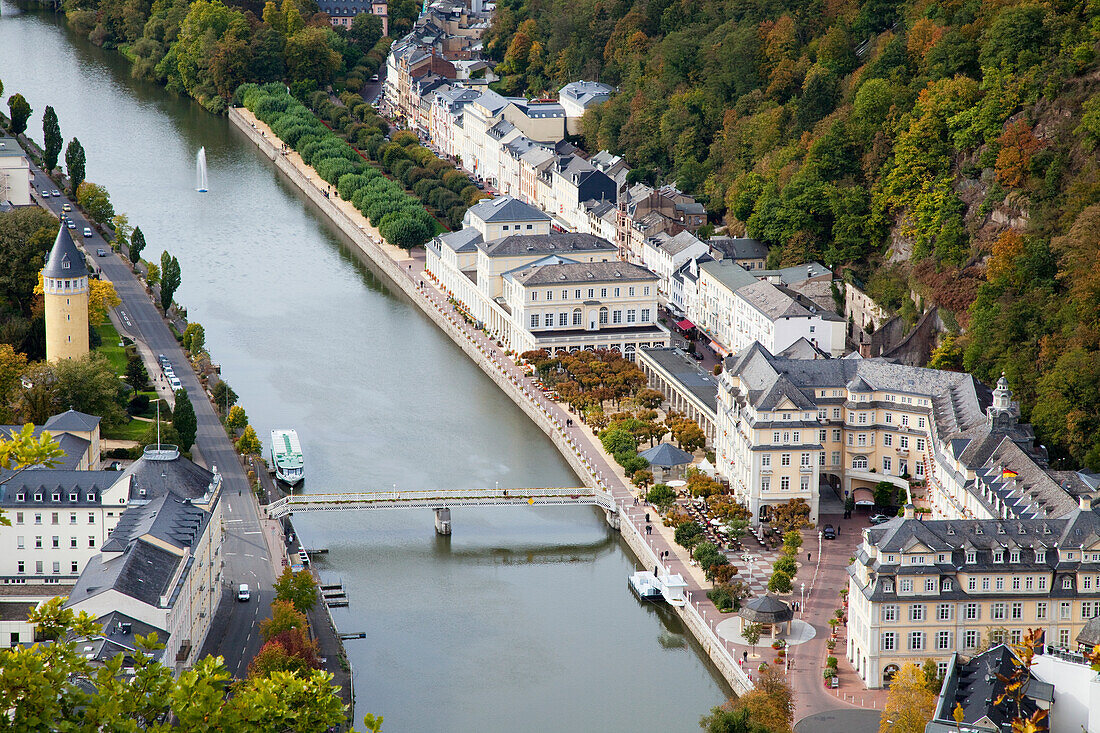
(297, 588)
(101, 299)
(284, 617)
(95, 201)
(910, 704)
(249, 444)
(1018, 144)
(791, 516)
(236, 420)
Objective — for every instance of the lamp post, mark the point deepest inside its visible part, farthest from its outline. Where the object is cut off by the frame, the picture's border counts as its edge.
(802, 604)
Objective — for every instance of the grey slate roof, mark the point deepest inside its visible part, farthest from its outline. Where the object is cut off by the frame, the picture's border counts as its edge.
(50, 481)
(766, 609)
(506, 208)
(729, 273)
(72, 420)
(73, 446)
(976, 685)
(65, 260)
(585, 93)
(802, 349)
(738, 248)
(687, 372)
(796, 273)
(143, 572)
(666, 455)
(179, 476)
(555, 243)
(461, 240)
(168, 518)
(579, 272)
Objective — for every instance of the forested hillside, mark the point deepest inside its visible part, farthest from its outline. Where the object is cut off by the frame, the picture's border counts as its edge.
(206, 48)
(944, 151)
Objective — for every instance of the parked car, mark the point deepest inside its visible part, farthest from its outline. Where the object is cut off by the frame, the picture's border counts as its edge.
(45, 193)
(100, 252)
(374, 77)
(879, 518)
(70, 224)
(243, 593)
(829, 532)
(87, 231)
(56, 192)
(697, 356)
(66, 207)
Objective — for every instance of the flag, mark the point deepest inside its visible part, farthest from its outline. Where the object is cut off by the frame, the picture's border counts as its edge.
(1008, 473)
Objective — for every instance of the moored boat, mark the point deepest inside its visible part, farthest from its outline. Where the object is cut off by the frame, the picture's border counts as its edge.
(286, 456)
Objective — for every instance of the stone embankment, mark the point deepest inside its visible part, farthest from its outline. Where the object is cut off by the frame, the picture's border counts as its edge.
(582, 456)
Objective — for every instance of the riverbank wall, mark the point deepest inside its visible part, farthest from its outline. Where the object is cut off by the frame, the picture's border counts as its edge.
(367, 240)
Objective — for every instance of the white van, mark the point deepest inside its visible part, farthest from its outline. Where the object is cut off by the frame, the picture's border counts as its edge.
(243, 594)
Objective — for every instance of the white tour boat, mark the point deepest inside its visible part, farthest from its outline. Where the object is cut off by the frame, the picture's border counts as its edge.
(286, 456)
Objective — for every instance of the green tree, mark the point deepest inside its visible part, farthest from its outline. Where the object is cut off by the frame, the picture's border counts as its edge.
(170, 278)
(137, 244)
(297, 588)
(95, 200)
(26, 234)
(74, 164)
(166, 434)
(121, 224)
(661, 496)
(751, 634)
(236, 419)
(183, 420)
(20, 112)
(224, 397)
(309, 56)
(885, 494)
(366, 29)
(284, 617)
(194, 338)
(780, 582)
(89, 384)
(51, 135)
(248, 444)
(687, 534)
(136, 376)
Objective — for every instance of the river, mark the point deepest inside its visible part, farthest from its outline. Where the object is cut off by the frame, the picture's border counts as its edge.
(521, 620)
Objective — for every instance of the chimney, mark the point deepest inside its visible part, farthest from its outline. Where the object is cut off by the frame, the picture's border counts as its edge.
(1085, 503)
(910, 511)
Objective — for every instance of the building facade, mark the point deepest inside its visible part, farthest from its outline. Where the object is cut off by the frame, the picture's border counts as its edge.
(930, 589)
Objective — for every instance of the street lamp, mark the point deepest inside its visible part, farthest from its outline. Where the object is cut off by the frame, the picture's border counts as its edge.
(802, 604)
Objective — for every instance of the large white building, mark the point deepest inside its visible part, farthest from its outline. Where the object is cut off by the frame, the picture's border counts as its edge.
(534, 288)
(161, 564)
(15, 174)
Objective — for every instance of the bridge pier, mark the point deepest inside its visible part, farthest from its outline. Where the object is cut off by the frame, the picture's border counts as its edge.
(443, 521)
(613, 518)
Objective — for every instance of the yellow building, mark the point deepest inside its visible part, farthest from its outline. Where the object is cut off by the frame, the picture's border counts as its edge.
(65, 285)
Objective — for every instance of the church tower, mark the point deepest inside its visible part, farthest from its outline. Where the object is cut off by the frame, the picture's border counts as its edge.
(65, 285)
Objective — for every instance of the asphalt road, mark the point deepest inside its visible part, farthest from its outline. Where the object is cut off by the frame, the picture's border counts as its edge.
(245, 552)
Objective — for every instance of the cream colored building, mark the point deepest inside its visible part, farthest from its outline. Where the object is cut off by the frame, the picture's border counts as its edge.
(858, 422)
(65, 284)
(926, 590)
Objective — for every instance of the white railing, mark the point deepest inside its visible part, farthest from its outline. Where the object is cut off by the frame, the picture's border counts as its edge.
(440, 498)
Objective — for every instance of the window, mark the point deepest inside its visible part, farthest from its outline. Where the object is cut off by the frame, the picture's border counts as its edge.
(1064, 610)
(889, 419)
(785, 483)
(56, 542)
(1067, 583)
(888, 586)
(985, 583)
(903, 441)
(549, 294)
(836, 435)
(785, 459)
(1000, 583)
(998, 611)
(54, 518)
(862, 418)
(946, 585)
(617, 316)
(887, 440)
(1041, 610)
(929, 585)
(805, 459)
(576, 316)
(821, 458)
(886, 464)
(603, 292)
(616, 292)
(645, 290)
(1042, 582)
(973, 611)
(1017, 610)
(797, 436)
(1029, 583)
(631, 315)
(970, 639)
(91, 517)
(836, 458)
(1086, 582)
(920, 444)
(775, 438)
(859, 462)
(804, 483)
(851, 438)
(916, 640)
(563, 319)
(548, 319)
(38, 542)
(943, 612)
(577, 294)
(765, 483)
(603, 316)
(943, 639)
(19, 542)
(91, 542)
(20, 567)
(822, 436)
(72, 517)
(786, 437)
(889, 612)
(889, 641)
(1063, 637)
(74, 567)
(836, 414)
(766, 460)
(905, 420)
(56, 566)
(645, 315)
(591, 293)
(998, 556)
(906, 585)
(72, 542)
(534, 320)
(916, 612)
(534, 295)
(630, 292)
(19, 517)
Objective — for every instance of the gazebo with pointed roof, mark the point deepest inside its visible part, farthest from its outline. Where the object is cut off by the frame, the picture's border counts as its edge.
(769, 612)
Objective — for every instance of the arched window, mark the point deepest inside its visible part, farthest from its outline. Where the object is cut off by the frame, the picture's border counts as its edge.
(859, 462)
(577, 316)
(888, 674)
(603, 316)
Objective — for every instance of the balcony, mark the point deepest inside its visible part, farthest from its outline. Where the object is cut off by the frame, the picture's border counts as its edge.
(805, 469)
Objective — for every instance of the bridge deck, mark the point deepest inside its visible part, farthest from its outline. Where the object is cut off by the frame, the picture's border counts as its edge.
(438, 499)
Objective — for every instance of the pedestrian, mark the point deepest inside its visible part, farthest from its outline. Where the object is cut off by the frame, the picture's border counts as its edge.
(807, 557)
(647, 516)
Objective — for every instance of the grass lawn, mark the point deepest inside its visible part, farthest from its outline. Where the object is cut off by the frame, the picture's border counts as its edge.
(132, 430)
(110, 348)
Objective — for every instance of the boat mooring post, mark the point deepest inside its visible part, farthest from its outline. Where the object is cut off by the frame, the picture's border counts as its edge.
(443, 521)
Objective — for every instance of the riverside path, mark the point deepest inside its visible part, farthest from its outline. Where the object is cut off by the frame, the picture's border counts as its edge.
(246, 554)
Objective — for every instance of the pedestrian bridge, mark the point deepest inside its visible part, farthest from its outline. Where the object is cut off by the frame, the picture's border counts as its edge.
(442, 501)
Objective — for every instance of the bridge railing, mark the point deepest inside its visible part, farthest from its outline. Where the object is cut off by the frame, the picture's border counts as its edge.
(440, 497)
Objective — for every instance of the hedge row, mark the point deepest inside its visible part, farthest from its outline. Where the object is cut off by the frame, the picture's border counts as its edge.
(399, 217)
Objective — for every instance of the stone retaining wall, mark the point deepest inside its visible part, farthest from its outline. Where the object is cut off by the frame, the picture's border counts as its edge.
(364, 238)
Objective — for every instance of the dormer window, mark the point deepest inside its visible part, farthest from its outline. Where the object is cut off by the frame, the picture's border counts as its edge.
(1014, 556)
(20, 496)
(1000, 529)
(971, 556)
(890, 558)
(941, 558)
(945, 585)
(1040, 556)
(978, 529)
(74, 497)
(888, 586)
(998, 556)
(1067, 583)
(57, 496)
(38, 497)
(91, 497)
